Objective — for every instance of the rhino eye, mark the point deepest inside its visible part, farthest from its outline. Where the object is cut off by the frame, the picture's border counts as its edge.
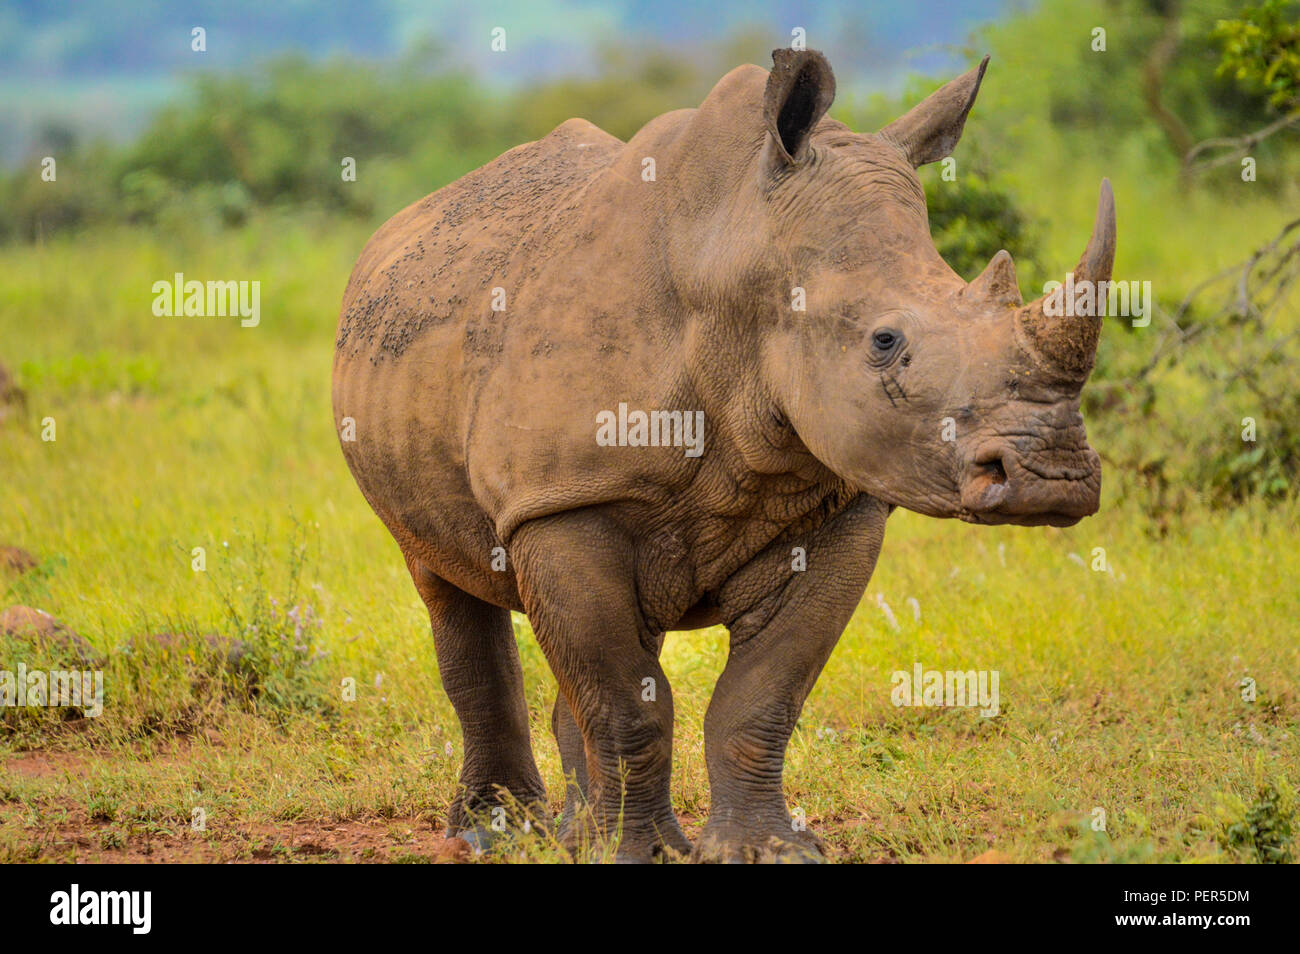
(885, 340)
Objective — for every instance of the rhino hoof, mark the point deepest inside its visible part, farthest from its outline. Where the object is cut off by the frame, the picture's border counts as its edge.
(482, 828)
(748, 849)
(480, 838)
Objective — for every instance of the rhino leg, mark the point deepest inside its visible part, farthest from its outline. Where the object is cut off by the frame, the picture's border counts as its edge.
(481, 674)
(573, 759)
(577, 582)
(779, 644)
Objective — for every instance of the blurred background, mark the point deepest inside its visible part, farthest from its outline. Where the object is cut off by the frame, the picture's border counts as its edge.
(106, 67)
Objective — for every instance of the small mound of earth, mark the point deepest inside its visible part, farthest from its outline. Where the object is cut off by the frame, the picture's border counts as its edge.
(38, 626)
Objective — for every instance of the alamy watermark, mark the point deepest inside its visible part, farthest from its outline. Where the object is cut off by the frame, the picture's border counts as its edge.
(1089, 299)
(81, 689)
(130, 908)
(933, 687)
(651, 429)
(214, 299)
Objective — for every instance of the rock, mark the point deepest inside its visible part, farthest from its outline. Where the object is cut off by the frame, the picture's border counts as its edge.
(16, 560)
(24, 622)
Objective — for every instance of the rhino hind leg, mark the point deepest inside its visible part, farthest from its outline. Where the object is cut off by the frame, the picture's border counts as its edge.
(478, 662)
(573, 760)
(578, 587)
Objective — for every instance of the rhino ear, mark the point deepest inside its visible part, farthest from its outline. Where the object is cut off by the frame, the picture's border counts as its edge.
(800, 88)
(930, 130)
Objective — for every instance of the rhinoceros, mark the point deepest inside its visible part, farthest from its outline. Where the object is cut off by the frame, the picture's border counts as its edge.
(678, 382)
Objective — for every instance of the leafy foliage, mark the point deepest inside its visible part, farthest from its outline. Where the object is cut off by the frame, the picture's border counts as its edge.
(1261, 51)
(972, 218)
(1263, 830)
(275, 640)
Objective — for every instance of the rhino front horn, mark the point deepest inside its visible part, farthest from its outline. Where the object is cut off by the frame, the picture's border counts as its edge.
(1061, 328)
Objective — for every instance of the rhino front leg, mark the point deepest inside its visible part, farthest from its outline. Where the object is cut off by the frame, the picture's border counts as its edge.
(779, 644)
(577, 583)
(573, 761)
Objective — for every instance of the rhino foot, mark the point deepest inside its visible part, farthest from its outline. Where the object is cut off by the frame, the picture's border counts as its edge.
(480, 838)
(487, 825)
(660, 840)
(750, 847)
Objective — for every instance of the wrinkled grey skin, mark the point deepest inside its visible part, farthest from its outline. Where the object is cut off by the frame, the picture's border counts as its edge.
(476, 428)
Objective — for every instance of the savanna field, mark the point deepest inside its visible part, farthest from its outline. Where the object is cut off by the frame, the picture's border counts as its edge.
(1120, 690)
(270, 686)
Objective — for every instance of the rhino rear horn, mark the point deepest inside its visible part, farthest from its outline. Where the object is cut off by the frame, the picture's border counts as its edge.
(929, 131)
(800, 88)
(998, 282)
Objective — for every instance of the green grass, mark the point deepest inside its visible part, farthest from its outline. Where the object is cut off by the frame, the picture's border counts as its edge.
(1118, 691)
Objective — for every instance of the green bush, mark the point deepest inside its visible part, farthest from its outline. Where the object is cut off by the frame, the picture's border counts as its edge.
(1263, 830)
(971, 219)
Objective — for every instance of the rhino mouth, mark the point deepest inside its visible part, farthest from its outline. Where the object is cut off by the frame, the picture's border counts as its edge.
(1002, 487)
(1048, 519)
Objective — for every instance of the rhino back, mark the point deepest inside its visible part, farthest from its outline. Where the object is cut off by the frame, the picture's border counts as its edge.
(461, 410)
(422, 267)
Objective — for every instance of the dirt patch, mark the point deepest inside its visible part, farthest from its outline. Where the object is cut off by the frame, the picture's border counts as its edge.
(390, 839)
(992, 857)
(44, 764)
(81, 839)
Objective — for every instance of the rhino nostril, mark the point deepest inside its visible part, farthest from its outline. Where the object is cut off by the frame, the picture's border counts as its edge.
(986, 487)
(994, 471)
